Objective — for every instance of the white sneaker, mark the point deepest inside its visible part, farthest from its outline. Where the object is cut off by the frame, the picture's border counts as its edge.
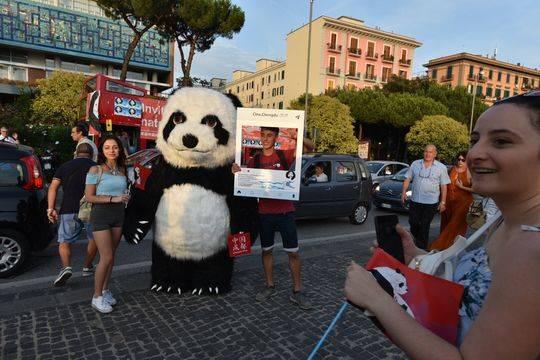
(100, 305)
(108, 297)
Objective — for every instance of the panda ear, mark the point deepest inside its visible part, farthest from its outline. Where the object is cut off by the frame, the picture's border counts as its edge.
(235, 100)
(398, 271)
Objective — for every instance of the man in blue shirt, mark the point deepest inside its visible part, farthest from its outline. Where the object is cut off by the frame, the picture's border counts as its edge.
(429, 179)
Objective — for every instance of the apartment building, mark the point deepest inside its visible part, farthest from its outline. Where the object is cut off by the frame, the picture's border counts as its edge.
(345, 53)
(38, 37)
(491, 78)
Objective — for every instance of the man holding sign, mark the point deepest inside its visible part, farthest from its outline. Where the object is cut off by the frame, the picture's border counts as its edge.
(278, 214)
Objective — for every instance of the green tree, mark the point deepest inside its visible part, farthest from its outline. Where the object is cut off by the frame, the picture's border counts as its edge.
(196, 24)
(457, 100)
(333, 121)
(139, 15)
(447, 134)
(17, 114)
(59, 99)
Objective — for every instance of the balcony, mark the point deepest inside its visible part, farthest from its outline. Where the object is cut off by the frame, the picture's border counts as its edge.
(354, 75)
(372, 56)
(370, 77)
(405, 62)
(526, 87)
(447, 78)
(355, 52)
(387, 58)
(333, 71)
(333, 47)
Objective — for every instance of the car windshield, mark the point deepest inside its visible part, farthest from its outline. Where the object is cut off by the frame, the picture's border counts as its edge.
(401, 175)
(374, 167)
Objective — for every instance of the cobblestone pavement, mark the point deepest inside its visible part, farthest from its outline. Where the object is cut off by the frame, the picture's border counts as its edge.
(146, 325)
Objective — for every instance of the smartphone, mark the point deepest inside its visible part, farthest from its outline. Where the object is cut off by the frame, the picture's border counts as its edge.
(387, 236)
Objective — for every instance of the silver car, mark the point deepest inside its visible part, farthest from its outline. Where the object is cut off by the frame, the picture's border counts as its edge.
(383, 170)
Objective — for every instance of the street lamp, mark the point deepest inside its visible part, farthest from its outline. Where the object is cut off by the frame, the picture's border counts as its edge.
(307, 67)
(476, 77)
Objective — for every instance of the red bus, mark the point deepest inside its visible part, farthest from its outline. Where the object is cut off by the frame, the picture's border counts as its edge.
(114, 106)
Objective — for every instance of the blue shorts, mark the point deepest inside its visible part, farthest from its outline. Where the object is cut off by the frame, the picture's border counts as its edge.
(70, 227)
(286, 226)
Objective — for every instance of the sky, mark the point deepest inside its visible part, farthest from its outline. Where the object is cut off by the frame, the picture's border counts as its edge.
(444, 27)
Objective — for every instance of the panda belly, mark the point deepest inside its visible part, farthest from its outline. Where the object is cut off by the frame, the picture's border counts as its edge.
(191, 222)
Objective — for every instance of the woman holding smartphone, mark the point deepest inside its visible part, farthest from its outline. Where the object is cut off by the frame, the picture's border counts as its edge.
(499, 315)
(106, 187)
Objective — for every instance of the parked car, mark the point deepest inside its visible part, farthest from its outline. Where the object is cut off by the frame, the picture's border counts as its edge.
(346, 193)
(387, 195)
(384, 170)
(139, 166)
(23, 220)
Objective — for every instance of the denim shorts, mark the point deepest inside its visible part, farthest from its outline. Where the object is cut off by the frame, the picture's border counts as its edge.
(70, 227)
(286, 226)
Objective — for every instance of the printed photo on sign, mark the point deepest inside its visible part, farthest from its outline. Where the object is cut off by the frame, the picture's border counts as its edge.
(268, 153)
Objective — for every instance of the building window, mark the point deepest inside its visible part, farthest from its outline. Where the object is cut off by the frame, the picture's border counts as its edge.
(471, 71)
(404, 54)
(370, 72)
(490, 75)
(506, 93)
(282, 74)
(275, 77)
(489, 91)
(332, 65)
(354, 45)
(479, 90)
(333, 40)
(262, 95)
(434, 74)
(516, 80)
(269, 79)
(449, 72)
(280, 105)
(470, 88)
(370, 49)
(507, 78)
(262, 81)
(330, 85)
(352, 68)
(386, 74)
(499, 76)
(273, 92)
(498, 93)
(281, 90)
(402, 74)
(237, 89)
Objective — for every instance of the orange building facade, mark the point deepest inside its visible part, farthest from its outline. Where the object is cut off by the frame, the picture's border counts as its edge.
(345, 53)
(488, 77)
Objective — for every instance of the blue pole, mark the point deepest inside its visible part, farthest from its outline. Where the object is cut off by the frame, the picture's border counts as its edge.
(332, 324)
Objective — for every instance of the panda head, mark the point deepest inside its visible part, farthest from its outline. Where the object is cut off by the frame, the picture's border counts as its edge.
(198, 128)
(393, 277)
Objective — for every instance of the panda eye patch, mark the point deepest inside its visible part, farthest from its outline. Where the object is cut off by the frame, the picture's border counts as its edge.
(178, 118)
(401, 284)
(210, 121)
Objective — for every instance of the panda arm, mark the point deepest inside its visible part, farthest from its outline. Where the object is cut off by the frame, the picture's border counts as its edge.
(142, 206)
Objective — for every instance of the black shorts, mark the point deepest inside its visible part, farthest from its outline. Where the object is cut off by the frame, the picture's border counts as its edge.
(107, 216)
(285, 224)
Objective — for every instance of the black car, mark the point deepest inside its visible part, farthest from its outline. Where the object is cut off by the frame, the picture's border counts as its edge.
(347, 191)
(23, 220)
(387, 195)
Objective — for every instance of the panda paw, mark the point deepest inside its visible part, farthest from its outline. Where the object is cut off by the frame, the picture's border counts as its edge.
(137, 232)
(210, 290)
(168, 289)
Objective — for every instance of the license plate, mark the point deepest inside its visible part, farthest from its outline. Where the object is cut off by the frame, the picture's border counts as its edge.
(387, 206)
(47, 166)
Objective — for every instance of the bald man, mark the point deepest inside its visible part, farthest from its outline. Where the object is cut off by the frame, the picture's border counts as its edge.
(429, 180)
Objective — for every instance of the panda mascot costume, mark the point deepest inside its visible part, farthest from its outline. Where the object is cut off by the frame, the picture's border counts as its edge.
(188, 197)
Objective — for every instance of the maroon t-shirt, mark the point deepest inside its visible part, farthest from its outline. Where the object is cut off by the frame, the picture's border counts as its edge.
(272, 162)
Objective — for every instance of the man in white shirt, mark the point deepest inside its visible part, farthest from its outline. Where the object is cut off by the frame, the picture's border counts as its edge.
(429, 180)
(4, 135)
(320, 176)
(79, 134)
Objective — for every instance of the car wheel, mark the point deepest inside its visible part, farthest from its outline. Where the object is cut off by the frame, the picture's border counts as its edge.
(13, 251)
(359, 214)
